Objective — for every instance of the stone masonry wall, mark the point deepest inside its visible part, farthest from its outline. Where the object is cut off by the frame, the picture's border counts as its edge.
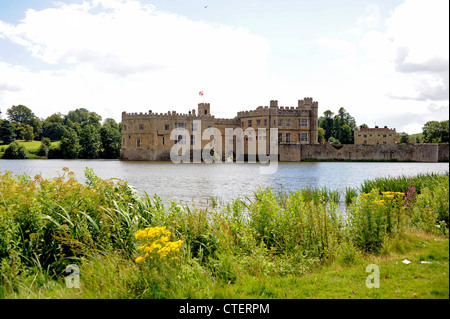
(443, 155)
(415, 153)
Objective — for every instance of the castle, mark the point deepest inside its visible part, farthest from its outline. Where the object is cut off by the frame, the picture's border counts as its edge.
(146, 136)
(375, 136)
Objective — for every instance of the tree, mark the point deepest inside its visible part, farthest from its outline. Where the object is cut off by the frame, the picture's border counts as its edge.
(55, 118)
(70, 146)
(321, 135)
(111, 144)
(346, 134)
(333, 140)
(37, 128)
(15, 151)
(90, 142)
(53, 130)
(20, 114)
(404, 138)
(44, 147)
(436, 132)
(28, 134)
(326, 122)
(82, 116)
(7, 134)
(340, 126)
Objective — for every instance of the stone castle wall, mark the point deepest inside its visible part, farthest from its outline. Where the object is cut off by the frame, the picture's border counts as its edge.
(443, 155)
(397, 152)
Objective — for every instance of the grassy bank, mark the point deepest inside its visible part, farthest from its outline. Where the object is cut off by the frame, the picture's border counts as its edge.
(32, 148)
(275, 245)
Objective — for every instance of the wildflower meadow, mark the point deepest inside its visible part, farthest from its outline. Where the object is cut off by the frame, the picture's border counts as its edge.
(129, 245)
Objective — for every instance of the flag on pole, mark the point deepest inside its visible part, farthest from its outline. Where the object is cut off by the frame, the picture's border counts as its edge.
(200, 93)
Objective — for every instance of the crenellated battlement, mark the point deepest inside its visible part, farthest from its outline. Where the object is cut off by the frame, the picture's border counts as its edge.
(307, 102)
(222, 121)
(167, 115)
(260, 111)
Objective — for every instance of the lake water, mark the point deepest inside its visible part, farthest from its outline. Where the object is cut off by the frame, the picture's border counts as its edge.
(195, 183)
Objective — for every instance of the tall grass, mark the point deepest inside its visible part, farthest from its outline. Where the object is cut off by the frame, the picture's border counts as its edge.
(46, 224)
(402, 183)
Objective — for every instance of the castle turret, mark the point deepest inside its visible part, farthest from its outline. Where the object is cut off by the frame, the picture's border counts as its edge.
(314, 123)
(204, 109)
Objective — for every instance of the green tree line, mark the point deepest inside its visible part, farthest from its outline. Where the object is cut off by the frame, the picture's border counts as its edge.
(339, 129)
(81, 134)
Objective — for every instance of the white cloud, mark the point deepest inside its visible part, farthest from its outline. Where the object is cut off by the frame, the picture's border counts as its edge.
(396, 68)
(126, 56)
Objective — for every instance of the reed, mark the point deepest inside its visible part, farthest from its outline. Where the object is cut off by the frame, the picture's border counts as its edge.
(46, 224)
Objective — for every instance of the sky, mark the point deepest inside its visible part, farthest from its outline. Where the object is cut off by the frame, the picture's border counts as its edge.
(386, 62)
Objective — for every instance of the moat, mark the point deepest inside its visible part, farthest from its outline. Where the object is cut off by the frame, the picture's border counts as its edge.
(195, 183)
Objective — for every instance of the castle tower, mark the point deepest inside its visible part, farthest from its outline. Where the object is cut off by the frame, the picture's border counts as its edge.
(204, 109)
(314, 123)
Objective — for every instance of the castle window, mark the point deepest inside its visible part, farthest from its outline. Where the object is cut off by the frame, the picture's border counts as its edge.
(167, 127)
(303, 122)
(163, 141)
(359, 135)
(365, 135)
(288, 137)
(265, 122)
(280, 122)
(124, 127)
(250, 123)
(206, 111)
(384, 136)
(194, 127)
(192, 139)
(138, 142)
(288, 122)
(129, 137)
(258, 122)
(304, 137)
(242, 124)
(182, 125)
(141, 127)
(280, 137)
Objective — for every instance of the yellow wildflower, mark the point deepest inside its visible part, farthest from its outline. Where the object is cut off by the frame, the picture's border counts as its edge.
(140, 259)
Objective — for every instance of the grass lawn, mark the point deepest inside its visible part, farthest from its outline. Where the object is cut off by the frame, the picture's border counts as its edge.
(429, 280)
(31, 146)
(337, 280)
(34, 145)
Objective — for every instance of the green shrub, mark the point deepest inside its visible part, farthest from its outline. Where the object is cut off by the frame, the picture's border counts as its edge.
(15, 151)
